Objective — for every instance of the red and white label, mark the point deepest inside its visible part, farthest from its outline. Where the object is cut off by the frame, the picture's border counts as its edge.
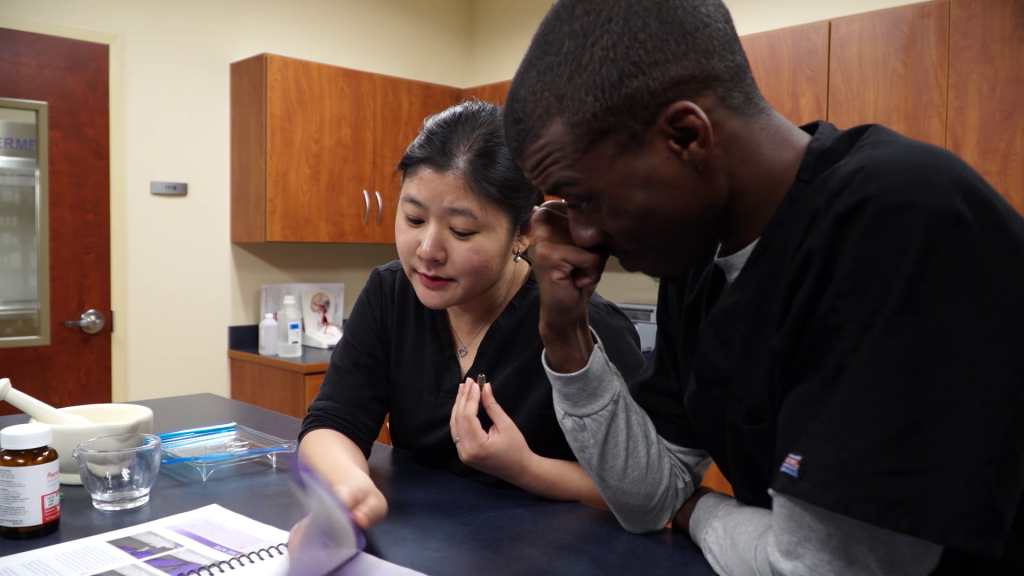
(29, 496)
(51, 506)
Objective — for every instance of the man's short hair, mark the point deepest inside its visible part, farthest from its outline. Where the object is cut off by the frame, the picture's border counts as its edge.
(610, 67)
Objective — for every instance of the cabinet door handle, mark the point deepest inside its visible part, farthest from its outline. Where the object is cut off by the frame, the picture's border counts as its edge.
(366, 210)
(379, 207)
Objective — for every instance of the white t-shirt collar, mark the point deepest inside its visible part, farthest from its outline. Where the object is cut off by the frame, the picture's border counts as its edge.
(733, 264)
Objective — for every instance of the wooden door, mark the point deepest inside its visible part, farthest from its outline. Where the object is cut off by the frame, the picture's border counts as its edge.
(72, 77)
(401, 106)
(494, 93)
(890, 67)
(791, 69)
(319, 152)
(986, 92)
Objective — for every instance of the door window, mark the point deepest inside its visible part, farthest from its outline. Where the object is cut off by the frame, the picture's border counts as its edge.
(24, 236)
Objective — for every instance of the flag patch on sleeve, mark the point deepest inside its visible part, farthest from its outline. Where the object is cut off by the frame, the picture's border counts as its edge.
(791, 465)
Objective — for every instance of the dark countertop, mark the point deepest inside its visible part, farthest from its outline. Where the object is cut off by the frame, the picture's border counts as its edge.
(312, 361)
(437, 523)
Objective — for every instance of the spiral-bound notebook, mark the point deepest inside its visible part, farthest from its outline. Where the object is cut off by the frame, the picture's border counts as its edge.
(269, 561)
(208, 540)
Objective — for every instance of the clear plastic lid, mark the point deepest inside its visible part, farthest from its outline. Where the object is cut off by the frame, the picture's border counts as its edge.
(220, 445)
(26, 436)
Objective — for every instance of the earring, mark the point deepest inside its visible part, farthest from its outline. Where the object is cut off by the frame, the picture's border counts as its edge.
(519, 256)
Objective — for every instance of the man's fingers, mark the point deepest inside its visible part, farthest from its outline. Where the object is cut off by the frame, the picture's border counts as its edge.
(590, 275)
(557, 253)
(564, 259)
(556, 209)
(551, 223)
(563, 265)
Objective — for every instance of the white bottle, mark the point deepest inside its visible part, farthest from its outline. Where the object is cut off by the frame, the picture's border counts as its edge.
(289, 340)
(268, 335)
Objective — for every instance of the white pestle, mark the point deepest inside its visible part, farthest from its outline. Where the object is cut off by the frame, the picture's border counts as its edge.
(41, 411)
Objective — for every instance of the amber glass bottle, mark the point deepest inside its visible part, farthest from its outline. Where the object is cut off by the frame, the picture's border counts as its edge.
(29, 482)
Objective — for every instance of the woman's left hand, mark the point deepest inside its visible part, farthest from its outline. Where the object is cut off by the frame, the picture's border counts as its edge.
(501, 451)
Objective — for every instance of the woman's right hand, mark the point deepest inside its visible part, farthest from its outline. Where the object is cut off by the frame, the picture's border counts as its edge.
(366, 503)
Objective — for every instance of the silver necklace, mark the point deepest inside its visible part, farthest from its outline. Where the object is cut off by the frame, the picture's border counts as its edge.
(462, 351)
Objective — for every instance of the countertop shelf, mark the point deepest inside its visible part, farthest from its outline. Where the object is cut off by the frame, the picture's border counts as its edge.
(243, 346)
(312, 361)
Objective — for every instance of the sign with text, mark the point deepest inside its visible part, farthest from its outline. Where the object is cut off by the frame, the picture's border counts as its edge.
(18, 140)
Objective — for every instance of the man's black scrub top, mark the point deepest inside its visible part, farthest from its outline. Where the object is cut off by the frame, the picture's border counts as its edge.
(869, 359)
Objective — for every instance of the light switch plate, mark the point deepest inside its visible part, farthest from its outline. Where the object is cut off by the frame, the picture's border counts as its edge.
(168, 188)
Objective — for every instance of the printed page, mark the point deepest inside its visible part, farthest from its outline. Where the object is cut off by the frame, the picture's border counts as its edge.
(171, 546)
(332, 542)
(364, 564)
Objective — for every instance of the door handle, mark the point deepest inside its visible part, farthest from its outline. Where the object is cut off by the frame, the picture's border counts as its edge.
(379, 207)
(92, 322)
(366, 210)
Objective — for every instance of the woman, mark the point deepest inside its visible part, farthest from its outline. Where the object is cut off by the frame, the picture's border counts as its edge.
(459, 303)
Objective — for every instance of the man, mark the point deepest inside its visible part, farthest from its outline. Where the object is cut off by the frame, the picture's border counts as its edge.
(840, 314)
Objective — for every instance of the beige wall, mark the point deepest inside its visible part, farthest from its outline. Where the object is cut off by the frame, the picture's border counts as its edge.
(500, 33)
(181, 280)
(501, 29)
(185, 282)
(752, 16)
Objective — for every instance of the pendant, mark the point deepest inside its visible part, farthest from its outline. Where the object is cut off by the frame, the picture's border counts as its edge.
(462, 351)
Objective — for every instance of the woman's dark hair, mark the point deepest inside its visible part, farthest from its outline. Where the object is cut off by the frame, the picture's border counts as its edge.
(469, 138)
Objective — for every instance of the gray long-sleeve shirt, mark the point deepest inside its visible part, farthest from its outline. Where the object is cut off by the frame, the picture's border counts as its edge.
(645, 480)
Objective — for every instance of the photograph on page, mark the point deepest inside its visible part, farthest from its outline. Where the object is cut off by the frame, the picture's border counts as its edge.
(144, 544)
(172, 545)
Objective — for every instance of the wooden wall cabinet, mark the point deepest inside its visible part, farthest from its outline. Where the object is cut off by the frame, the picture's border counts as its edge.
(986, 92)
(791, 70)
(401, 107)
(890, 67)
(280, 385)
(948, 72)
(273, 384)
(314, 147)
(494, 93)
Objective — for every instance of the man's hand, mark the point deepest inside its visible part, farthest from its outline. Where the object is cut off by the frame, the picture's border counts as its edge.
(567, 276)
(681, 522)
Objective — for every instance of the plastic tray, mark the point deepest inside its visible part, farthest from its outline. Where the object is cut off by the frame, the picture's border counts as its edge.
(213, 447)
